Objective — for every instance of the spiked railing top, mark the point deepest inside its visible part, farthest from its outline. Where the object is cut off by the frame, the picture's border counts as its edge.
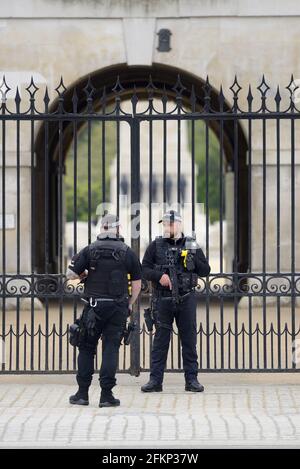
(107, 100)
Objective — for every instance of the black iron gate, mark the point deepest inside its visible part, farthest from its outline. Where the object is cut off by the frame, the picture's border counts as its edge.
(223, 151)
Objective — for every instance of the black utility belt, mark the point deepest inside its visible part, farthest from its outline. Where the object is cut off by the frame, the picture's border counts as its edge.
(93, 301)
(168, 294)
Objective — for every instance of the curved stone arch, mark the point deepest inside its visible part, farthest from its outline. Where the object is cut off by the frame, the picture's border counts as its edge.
(164, 77)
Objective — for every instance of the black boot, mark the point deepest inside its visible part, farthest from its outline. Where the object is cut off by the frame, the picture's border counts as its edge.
(152, 386)
(194, 386)
(80, 398)
(107, 399)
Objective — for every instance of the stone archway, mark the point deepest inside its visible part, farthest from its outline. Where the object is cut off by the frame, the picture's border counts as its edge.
(164, 77)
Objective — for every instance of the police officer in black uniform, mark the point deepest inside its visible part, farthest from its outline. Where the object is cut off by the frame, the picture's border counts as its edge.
(188, 263)
(108, 261)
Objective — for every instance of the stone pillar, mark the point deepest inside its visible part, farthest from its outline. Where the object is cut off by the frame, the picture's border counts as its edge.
(11, 222)
(257, 235)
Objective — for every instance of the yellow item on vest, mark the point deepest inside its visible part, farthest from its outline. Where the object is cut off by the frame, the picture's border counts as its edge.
(129, 284)
(184, 254)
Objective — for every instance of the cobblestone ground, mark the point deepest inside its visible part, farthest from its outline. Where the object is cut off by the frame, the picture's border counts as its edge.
(234, 410)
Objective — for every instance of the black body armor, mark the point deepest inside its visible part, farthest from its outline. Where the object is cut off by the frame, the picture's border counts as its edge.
(169, 258)
(107, 270)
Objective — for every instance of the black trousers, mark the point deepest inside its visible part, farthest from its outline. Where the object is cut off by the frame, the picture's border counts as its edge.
(184, 314)
(110, 322)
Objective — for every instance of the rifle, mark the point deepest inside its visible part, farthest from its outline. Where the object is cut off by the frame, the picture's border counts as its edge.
(171, 259)
(172, 256)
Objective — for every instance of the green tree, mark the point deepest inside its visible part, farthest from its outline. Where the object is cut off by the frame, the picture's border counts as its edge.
(213, 180)
(82, 169)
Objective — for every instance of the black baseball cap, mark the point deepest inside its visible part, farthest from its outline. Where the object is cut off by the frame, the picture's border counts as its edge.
(171, 216)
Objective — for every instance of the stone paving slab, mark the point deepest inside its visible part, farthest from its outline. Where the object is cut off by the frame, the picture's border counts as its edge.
(234, 410)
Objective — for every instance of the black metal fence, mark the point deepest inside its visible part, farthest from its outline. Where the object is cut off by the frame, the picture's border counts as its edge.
(236, 153)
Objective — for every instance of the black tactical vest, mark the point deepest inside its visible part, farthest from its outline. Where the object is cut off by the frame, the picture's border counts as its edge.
(107, 270)
(162, 247)
(164, 253)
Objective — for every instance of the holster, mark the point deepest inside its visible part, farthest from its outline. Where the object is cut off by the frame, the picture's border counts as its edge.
(76, 332)
(83, 325)
(128, 331)
(89, 320)
(151, 317)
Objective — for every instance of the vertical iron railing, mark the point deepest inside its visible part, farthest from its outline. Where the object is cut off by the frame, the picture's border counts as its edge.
(247, 309)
